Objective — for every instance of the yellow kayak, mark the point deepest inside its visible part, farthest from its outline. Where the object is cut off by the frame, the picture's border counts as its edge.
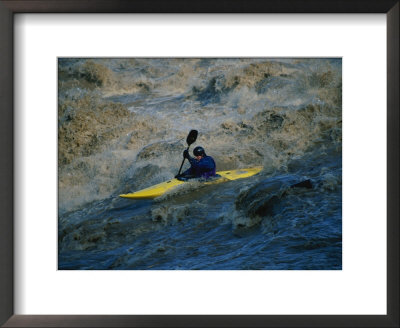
(161, 188)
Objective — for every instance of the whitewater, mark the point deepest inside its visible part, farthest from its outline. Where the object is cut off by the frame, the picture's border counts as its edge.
(122, 126)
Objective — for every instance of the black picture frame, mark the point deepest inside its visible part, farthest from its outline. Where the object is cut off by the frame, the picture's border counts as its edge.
(10, 7)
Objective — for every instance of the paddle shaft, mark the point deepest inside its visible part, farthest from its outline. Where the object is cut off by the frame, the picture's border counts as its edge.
(191, 138)
(183, 161)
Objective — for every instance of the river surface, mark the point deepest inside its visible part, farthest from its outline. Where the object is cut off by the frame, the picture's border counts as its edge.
(122, 125)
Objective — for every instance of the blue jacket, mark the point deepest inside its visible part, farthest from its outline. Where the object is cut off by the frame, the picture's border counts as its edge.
(203, 168)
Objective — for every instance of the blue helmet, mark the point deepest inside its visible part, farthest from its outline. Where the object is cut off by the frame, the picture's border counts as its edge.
(199, 151)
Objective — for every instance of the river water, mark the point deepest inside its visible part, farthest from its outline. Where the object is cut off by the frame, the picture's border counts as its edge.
(122, 125)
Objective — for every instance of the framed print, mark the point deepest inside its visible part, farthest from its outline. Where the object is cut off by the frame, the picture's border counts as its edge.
(107, 221)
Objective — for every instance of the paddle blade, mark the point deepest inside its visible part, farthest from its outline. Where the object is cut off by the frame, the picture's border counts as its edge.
(192, 136)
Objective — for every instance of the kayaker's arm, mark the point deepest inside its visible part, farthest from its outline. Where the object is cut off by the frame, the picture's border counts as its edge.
(186, 154)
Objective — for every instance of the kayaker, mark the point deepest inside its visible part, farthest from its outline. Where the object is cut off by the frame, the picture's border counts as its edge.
(201, 166)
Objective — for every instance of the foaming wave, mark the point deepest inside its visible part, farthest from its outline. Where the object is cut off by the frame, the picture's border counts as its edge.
(249, 112)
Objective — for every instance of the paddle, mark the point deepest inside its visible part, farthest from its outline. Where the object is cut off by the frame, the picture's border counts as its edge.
(191, 138)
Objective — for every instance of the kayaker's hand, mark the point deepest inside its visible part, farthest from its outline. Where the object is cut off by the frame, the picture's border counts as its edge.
(186, 154)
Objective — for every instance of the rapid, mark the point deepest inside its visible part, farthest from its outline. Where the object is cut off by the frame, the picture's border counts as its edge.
(122, 125)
